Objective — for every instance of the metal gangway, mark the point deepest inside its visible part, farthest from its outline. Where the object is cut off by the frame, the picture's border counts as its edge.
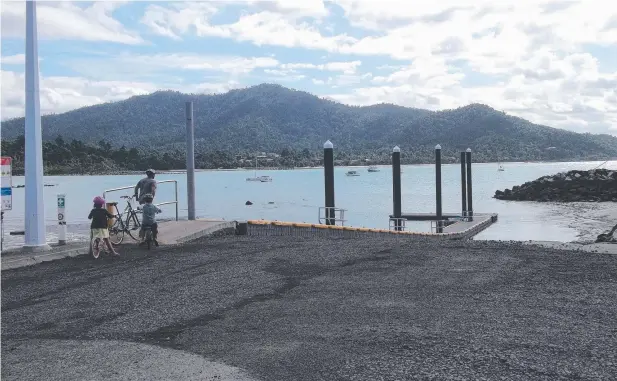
(175, 202)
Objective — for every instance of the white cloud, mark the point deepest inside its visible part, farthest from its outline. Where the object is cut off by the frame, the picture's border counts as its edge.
(282, 75)
(343, 80)
(216, 88)
(429, 70)
(63, 20)
(567, 91)
(172, 67)
(290, 8)
(60, 94)
(345, 67)
(231, 64)
(17, 59)
(529, 58)
(267, 27)
(178, 18)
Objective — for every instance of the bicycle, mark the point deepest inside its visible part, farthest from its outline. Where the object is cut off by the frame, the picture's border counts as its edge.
(125, 222)
(148, 236)
(95, 246)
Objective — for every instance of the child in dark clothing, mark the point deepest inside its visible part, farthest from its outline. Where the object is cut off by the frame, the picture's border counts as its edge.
(149, 218)
(98, 228)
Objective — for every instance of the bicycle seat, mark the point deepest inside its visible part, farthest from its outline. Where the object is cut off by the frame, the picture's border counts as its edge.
(126, 196)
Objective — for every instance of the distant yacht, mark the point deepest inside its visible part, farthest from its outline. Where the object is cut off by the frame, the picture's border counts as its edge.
(352, 173)
(373, 169)
(263, 179)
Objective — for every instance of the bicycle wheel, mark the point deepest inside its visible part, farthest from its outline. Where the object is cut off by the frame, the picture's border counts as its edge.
(149, 238)
(116, 232)
(132, 225)
(95, 247)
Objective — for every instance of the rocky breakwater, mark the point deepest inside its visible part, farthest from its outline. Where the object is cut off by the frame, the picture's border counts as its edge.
(587, 186)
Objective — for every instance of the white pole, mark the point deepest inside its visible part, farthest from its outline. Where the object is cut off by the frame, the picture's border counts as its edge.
(61, 220)
(190, 160)
(34, 209)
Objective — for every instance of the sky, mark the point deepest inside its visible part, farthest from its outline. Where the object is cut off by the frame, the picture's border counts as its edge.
(553, 62)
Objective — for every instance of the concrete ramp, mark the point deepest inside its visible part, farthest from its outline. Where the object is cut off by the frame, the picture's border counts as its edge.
(175, 232)
(170, 233)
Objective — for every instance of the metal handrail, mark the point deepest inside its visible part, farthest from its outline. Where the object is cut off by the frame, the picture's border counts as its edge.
(401, 222)
(325, 218)
(435, 224)
(158, 182)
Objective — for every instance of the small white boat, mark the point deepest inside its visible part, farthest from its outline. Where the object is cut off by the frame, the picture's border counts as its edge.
(352, 173)
(500, 167)
(262, 179)
(373, 169)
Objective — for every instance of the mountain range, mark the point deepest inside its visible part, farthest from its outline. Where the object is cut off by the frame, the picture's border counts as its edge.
(272, 118)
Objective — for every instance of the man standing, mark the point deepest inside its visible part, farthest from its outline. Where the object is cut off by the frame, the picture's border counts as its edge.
(147, 185)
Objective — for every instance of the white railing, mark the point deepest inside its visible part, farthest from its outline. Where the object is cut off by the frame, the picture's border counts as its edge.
(323, 218)
(158, 183)
(398, 223)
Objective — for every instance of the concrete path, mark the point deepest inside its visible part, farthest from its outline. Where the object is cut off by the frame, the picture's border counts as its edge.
(14, 258)
(170, 233)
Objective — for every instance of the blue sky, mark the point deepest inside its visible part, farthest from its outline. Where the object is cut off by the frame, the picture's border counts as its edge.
(552, 62)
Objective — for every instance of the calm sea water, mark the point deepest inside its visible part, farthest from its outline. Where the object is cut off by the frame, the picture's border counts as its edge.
(296, 195)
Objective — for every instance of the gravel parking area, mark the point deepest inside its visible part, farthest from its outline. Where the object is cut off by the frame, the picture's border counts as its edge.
(283, 308)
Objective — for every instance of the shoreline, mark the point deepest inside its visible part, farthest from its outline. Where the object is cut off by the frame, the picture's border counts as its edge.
(247, 169)
(586, 218)
(590, 219)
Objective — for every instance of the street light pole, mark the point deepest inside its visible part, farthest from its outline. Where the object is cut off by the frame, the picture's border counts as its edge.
(34, 216)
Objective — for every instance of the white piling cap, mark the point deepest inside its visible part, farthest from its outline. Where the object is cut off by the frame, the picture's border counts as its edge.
(437, 146)
(468, 149)
(328, 144)
(396, 149)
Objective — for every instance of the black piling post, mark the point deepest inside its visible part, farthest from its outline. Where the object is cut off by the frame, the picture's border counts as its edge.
(328, 164)
(396, 188)
(463, 186)
(438, 188)
(469, 191)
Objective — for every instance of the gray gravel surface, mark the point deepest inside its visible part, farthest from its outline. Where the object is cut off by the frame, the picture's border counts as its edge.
(283, 308)
(109, 360)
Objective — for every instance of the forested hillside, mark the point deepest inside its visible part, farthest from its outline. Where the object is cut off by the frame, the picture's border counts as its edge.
(272, 118)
